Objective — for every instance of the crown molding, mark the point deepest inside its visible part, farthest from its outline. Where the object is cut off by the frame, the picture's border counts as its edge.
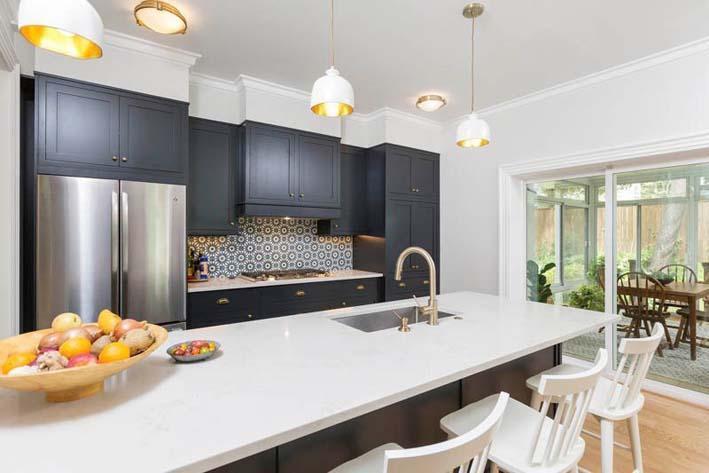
(8, 56)
(250, 82)
(684, 50)
(206, 80)
(603, 156)
(150, 48)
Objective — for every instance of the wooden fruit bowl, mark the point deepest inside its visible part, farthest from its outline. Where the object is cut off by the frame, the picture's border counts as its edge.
(68, 384)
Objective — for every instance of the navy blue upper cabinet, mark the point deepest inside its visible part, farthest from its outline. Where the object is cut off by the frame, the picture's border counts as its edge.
(211, 195)
(287, 172)
(411, 173)
(95, 131)
(353, 192)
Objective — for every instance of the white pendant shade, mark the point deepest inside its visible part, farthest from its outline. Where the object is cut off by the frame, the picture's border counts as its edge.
(473, 132)
(332, 95)
(70, 27)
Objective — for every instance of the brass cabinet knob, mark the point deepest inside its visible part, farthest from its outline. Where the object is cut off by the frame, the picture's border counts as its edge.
(223, 301)
(290, 194)
(124, 159)
(301, 195)
(414, 266)
(360, 287)
(344, 303)
(300, 293)
(250, 316)
(402, 284)
(232, 224)
(337, 225)
(115, 158)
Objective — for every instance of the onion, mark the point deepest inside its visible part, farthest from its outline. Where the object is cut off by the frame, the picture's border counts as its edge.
(78, 332)
(99, 344)
(125, 326)
(51, 341)
(94, 332)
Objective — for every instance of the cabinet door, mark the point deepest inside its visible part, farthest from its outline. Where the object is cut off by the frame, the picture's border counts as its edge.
(398, 232)
(424, 177)
(80, 126)
(271, 173)
(424, 233)
(353, 195)
(318, 171)
(150, 135)
(212, 178)
(398, 172)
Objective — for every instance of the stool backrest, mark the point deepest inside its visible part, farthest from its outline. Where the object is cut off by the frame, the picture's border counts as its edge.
(572, 395)
(632, 369)
(472, 447)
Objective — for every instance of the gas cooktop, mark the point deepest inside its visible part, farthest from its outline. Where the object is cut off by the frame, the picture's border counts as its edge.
(287, 274)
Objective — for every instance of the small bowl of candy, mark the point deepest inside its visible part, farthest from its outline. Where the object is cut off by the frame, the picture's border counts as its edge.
(193, 350)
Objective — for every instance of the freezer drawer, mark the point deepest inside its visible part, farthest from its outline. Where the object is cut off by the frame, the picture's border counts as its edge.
(77, 247)
(153, 245)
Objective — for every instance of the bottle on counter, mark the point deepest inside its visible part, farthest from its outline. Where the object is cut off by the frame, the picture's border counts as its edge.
(203, 267)
(190, 264)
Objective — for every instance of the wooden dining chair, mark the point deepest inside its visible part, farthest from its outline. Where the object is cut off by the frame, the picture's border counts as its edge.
(529, 441)
(679, 273)
(466, 453)
(642, 299)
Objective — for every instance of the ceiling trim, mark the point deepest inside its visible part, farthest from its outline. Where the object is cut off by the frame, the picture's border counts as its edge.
(8, 55)
(197, 78)
(250, 82)
(688, 49)
(126, 42)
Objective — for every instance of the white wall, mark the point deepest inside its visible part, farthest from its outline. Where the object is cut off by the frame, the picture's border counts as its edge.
(9, 201)
(663, 96)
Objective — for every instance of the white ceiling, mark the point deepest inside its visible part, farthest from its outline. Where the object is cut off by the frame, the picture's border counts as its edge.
(395, 50)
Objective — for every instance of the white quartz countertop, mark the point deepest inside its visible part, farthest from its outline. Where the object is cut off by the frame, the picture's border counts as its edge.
(220, 284)
(275, 381)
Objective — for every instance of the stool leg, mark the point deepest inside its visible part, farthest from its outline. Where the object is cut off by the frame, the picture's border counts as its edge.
(536, 402)
(606, 446)
(494, 468)
(634, 428)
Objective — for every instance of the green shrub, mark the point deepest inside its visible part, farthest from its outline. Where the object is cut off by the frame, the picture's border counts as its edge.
(589, 297)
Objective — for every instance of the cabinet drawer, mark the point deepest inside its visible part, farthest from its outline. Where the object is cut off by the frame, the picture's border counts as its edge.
(418, 286)
(221, 307)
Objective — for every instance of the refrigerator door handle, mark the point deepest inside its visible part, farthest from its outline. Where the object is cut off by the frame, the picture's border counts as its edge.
(124, 252)
(115, 242)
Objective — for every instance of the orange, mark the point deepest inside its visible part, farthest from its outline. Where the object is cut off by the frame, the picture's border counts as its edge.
(17, 360)
(75, 346)
(107, 321)
(115, 351)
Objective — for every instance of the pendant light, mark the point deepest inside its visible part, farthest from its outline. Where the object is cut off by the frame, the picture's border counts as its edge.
(332, 94)
(69, 27)
(473, 132)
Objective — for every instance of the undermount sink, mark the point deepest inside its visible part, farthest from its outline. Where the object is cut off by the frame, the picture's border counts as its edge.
(386, 319)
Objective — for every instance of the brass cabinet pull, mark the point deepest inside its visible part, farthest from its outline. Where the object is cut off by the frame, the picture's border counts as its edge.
(425, 283)
(223, 301)
(300, 293)
(232, 223)
(115, 158)
(337, 225)
(250, 316)
(344, 303)
(402, 284)
(124, 159)
(301, 195)
(360, 287)
(290, 194)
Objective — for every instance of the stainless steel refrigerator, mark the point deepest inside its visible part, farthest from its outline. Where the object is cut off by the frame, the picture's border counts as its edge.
(110, 244)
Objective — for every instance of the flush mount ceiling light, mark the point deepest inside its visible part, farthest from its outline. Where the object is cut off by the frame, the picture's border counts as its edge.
(160, 17)
(332, 94)
(430, 103)
(473, 132)
(69, 27)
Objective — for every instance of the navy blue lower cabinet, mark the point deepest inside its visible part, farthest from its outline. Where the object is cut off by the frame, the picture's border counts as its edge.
(230, 306)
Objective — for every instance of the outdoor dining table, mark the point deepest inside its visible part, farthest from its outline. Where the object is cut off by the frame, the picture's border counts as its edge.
(689, 292)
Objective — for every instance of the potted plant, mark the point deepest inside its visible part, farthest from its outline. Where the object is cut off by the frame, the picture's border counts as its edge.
(538, 287)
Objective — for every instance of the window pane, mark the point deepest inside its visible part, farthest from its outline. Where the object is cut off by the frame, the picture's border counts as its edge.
(574, 238)
(560, 190)
(600, 231)
(626, 237)
(544, 234)
(703, 244)
(660, 189)
(664, 235)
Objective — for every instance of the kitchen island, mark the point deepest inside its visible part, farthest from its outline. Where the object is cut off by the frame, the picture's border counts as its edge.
(298, 393)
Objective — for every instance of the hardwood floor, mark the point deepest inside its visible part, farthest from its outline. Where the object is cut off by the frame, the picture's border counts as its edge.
(675, 439)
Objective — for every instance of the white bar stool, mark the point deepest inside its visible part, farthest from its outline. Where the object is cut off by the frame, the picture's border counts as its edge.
(618, 398)
(530, 442)
(468, 450)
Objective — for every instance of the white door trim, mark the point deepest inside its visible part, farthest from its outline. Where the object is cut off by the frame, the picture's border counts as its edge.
(678, 150)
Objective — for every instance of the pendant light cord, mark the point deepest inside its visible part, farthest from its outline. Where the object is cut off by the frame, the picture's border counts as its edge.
(472, 66)
(332, 33)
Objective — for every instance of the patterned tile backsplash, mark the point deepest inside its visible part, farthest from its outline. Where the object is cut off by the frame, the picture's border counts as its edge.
(273, 244)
